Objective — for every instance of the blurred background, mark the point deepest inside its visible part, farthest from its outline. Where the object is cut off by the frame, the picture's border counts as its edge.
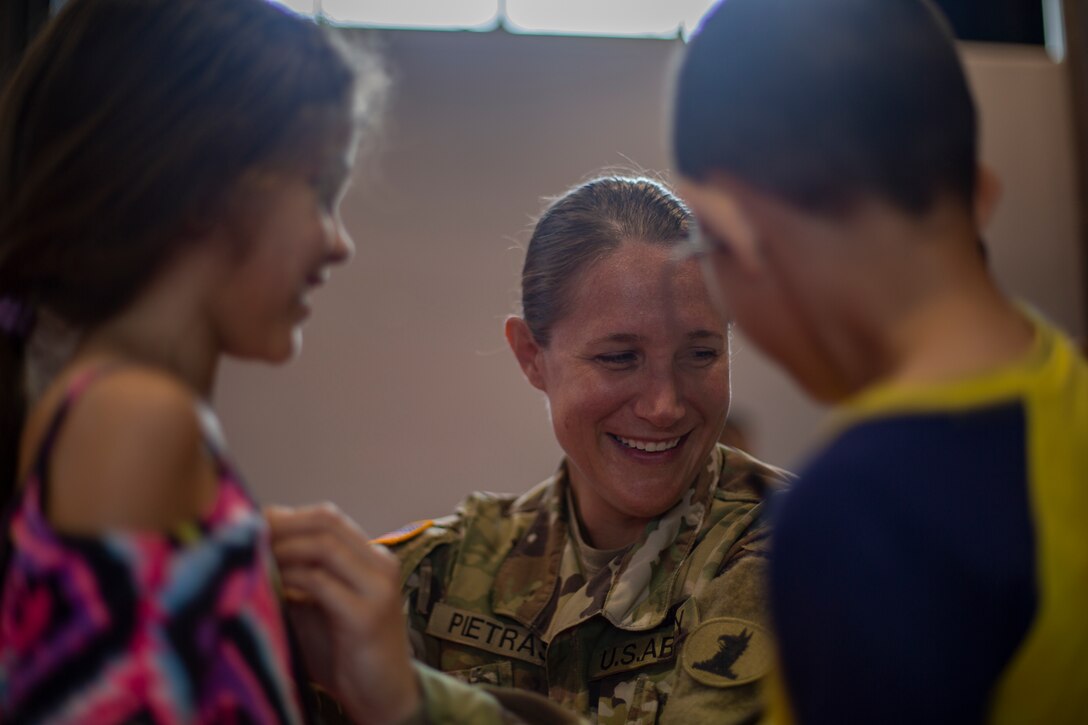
(406, 397)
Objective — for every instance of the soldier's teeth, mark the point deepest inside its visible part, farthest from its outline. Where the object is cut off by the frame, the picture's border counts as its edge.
(649, 446)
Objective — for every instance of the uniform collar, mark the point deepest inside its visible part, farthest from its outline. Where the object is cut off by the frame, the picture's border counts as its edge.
(636, 593)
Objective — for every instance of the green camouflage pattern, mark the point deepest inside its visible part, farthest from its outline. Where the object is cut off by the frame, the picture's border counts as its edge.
(496, 597)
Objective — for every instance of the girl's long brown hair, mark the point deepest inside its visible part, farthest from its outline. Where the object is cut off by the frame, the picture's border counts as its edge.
(123, 132)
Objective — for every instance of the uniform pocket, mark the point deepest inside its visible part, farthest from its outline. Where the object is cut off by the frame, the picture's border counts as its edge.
(634, 702)
(499, 674)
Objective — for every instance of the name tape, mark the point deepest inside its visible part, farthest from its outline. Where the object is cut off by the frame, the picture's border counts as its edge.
(486, 633)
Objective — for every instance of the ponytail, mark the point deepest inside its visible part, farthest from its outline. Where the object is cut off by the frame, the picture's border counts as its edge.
(12, 410)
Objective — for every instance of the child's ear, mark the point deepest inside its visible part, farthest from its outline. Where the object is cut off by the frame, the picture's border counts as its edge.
(987, 195)
(526, 350)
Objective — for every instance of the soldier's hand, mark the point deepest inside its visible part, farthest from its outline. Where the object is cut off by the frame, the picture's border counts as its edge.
(345, 603)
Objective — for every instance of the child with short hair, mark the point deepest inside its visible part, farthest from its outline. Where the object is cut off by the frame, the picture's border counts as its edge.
(931, 564)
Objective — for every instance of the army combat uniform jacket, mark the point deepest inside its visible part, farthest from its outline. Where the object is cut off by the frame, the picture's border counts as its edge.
(674, 629)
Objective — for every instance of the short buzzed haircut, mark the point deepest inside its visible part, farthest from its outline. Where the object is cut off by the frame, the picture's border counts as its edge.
(823, 103)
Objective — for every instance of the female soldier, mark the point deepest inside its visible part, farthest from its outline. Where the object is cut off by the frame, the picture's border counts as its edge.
(629, 586)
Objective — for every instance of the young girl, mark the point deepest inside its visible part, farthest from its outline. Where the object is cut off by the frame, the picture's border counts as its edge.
(169, 178)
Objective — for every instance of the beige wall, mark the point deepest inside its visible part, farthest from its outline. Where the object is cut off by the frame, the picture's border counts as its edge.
(406, 398)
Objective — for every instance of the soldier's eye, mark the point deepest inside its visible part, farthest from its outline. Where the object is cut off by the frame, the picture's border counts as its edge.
(617, 360)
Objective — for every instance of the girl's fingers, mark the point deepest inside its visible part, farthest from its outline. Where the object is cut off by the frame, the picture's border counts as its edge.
(329, 593)
(360, 567)
(324, 521)
(286, 522)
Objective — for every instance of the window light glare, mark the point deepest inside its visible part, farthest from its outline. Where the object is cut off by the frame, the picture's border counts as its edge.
(593, 17)
(462, 14)
(1054, 30)
(693, 12)
(305, 7)
(623, 18)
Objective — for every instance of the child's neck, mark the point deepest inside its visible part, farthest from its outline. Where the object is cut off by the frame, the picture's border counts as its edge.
(179, 359)
(911, 301)
(968, 331)
(167, 326)
(162, 330)
(948, 322)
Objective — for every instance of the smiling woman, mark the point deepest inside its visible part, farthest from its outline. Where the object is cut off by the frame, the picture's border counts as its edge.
(637, 378)
(629, 586)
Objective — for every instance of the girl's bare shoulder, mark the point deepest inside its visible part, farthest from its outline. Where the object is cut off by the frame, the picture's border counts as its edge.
(130, 453)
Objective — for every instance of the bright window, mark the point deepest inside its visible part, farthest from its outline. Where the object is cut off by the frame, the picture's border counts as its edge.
(630, 18)
(459, 15)
(663, 18)
(593, 17)
(300, 6)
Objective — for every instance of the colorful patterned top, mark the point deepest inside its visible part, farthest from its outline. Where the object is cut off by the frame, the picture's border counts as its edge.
(129, 626)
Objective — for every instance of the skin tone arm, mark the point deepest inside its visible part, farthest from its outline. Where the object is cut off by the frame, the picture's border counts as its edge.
(345, 603)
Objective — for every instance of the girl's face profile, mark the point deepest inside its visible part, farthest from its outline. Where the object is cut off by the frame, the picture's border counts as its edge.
(292, 237)
(637, 378)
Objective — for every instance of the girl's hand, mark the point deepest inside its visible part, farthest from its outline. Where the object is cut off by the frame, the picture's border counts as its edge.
(345, 604)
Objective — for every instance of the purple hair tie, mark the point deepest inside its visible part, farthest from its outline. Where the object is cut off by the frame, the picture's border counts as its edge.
(16, 318)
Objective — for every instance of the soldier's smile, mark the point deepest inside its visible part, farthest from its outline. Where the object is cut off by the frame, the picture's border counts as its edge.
(650, 450)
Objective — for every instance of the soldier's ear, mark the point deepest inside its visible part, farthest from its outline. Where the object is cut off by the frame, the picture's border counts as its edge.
(526, 350)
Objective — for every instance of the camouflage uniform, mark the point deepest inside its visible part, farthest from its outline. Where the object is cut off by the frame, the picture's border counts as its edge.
(673, 630)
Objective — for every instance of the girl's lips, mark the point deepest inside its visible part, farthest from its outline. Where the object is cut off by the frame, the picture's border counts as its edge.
(318, 277)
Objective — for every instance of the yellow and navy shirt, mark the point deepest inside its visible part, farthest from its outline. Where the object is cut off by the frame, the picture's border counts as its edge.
(931, 564)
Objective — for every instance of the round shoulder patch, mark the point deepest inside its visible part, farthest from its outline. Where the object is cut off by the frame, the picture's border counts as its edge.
(404, 533)
(725, 652)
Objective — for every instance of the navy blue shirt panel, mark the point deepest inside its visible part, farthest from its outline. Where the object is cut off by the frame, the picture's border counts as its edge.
(903, 575)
